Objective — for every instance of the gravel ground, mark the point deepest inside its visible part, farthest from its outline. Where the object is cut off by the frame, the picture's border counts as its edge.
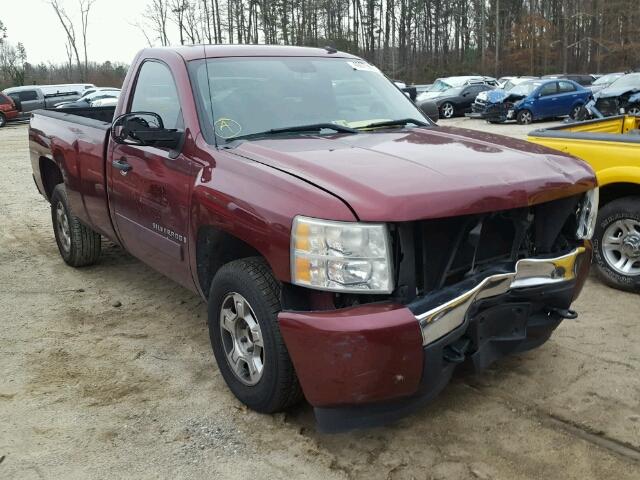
(107, 372)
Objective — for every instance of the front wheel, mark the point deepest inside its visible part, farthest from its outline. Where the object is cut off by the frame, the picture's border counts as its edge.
(3, 120)
(78, 244)
(525, 117)
(634, 110)
(616, 243)
(244, 302)
(447, 110)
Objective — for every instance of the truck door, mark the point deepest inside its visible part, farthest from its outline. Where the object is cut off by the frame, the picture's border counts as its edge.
(547, 104)
(150, 201)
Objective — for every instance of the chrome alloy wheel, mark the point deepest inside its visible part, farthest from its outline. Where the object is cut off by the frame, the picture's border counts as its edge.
(447, 110)
(242, 339)
(634, 111)
(62, 224)
(526, 118)
(621, 246)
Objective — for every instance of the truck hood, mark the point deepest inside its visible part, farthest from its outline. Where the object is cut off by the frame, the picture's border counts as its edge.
(420, 173)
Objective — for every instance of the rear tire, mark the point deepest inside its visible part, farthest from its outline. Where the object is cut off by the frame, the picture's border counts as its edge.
(79, 246)
(576, 112)
(246, 340)
(3, 120)
(616, 243)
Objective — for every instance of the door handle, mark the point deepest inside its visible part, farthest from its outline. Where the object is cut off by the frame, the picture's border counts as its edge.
(122, 165)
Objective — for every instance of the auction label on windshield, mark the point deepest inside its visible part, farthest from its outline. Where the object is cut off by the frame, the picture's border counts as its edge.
(363, 66)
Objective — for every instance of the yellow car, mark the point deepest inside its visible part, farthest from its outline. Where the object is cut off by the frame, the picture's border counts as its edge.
(612, 147)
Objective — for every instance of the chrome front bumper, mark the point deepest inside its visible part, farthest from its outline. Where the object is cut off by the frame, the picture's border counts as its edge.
(529, 272)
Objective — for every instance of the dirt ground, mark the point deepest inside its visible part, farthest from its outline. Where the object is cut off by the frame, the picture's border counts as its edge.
(90, 389)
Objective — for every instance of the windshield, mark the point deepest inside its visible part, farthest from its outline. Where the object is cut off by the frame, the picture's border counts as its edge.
(245, 96)
(439, 86)
(607, 79)
(632, 80)
(524, 88)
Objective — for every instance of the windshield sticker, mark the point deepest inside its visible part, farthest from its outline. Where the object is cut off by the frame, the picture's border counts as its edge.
(227, 128)
(363, 66)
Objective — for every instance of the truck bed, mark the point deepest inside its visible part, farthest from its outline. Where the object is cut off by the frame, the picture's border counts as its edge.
(610, 145)
(75, 139)
(611, 129)
(97, 117)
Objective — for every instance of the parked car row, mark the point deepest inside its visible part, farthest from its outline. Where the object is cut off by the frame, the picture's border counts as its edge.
(528, 99)
(18, 102)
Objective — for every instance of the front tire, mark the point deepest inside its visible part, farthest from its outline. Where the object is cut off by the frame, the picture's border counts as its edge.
(79, 246)
(3, 120)
(244, 302)
(447, 110)
(525, 117)
(616, 244)
(634, 110)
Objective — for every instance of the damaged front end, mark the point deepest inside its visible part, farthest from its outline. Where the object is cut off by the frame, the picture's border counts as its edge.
(628, 102)
(498, 109)
(469, 290)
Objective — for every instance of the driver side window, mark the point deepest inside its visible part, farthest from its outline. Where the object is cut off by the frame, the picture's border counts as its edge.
(156, 92)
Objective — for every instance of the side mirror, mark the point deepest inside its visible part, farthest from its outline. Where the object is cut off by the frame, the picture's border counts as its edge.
(411, 92)
(146, 129)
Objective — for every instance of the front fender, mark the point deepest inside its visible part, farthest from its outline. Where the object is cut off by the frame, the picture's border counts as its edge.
(257, 203)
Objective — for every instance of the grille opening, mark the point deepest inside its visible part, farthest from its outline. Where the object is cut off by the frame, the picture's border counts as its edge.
(448, 250)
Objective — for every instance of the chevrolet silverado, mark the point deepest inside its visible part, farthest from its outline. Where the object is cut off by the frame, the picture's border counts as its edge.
(350, 250)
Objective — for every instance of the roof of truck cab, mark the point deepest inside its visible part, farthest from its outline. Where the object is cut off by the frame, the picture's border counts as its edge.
(195, 52)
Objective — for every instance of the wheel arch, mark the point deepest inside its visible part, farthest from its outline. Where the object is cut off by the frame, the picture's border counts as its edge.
(613, 191)
(215, 248)
(50, 175)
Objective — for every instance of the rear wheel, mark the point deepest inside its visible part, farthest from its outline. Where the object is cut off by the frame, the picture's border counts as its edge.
(447, 110)
(576, 112)
(3, 120)
(78, 244)
(617, 244)
(525, 117)
(244, 302)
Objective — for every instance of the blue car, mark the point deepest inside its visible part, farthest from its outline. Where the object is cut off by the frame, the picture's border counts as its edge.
(537, 100)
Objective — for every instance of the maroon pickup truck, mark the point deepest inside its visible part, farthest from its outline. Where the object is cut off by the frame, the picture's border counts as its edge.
(350, 250)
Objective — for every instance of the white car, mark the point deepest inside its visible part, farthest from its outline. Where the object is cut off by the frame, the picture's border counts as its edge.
(105, 102)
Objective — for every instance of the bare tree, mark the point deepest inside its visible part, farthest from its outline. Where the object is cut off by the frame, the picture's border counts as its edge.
(85, 7)
(3, 32)
(69, 29)
(158, 13)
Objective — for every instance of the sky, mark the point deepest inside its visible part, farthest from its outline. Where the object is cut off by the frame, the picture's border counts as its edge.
(111, 34)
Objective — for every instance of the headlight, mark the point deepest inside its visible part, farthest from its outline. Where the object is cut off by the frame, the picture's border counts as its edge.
(587, 214)
(341, 256)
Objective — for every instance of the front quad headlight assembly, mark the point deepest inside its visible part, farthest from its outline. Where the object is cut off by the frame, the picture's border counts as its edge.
(341, 256)
(588, 214)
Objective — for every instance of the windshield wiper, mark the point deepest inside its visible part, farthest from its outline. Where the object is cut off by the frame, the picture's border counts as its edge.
(314, 127)
(397, 123)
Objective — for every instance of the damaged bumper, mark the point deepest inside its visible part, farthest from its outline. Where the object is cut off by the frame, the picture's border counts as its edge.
(367, 365)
